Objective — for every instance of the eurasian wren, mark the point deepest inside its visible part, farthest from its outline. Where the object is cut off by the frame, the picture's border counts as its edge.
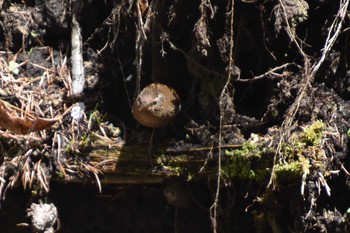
(156, 105)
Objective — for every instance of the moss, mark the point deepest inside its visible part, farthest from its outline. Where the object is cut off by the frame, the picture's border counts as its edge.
(254, 161)
(85, 140)
(176, 165)
(312, 135)
(178, 171)
(297, 155)
(348, 133)
(288, 173)
(247, 162)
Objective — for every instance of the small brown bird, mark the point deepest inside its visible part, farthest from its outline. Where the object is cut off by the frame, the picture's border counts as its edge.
(156, 105)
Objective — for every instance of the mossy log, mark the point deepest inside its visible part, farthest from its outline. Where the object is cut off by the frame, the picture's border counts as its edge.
(133, 164)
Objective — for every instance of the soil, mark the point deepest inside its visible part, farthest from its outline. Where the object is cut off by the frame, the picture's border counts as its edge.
(264, 80)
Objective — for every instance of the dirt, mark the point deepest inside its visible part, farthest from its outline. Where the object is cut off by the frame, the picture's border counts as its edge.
(250, 75)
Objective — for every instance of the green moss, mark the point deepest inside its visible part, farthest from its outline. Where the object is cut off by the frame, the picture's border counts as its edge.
(312, 135)
(246, 163)
(175, 165)
(303, 143)
(178, 171)
(289, 172)
(300, 154)
(85, 140)
(255, 161)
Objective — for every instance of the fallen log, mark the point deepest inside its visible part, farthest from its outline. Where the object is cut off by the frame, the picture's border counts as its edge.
(131, 164)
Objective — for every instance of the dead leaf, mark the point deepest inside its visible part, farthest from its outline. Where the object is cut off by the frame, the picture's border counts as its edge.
(10, 120)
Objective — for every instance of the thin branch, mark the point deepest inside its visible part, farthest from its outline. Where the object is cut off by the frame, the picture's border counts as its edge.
(270, 72)
(333, 33)
(214, 207)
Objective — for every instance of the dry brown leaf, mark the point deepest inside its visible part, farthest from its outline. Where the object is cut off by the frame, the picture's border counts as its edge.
(10, 120)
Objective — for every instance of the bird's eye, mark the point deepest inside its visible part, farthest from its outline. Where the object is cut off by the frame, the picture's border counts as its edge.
(154, 102)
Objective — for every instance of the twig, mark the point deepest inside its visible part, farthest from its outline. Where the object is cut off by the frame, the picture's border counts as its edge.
(307, 78)
(78, 73)
(333, 33)
(270, 72)
(214, 207)
(193, 62)
(42, 177)
(95, 172)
